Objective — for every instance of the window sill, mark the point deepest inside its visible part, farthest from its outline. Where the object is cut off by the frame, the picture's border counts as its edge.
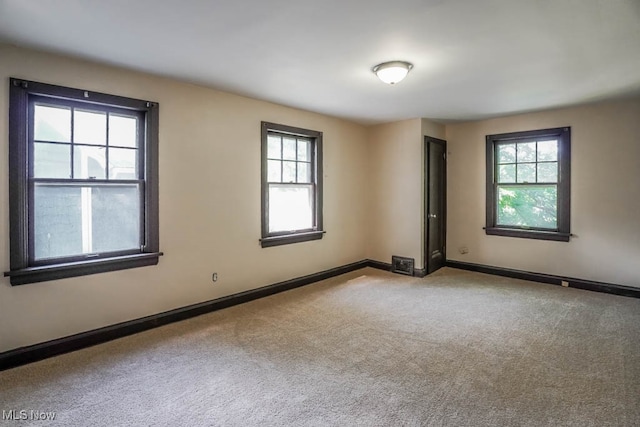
(291, 238)
(81, 268)
(528, 234)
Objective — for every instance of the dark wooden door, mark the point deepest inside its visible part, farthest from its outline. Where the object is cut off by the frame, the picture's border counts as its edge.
(435, 203)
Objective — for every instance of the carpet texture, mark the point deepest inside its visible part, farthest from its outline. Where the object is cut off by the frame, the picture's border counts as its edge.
(367, 348)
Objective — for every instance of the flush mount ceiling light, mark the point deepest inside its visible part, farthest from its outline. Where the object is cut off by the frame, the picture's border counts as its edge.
(392, 72)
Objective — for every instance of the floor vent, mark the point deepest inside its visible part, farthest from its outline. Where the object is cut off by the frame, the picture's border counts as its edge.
(402, 265)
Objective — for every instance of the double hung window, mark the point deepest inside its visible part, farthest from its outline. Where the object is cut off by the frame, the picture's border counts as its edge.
(528, 184)
(83, 178)
(291, 184)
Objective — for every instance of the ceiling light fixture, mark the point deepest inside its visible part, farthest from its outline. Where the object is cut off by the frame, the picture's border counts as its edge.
(392, 72)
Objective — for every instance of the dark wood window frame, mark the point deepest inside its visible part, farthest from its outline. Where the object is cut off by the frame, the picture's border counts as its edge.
(23, 268)
(316, 232)
(563, 231)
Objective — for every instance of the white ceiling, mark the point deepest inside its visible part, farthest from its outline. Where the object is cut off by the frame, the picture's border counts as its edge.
(472, 58)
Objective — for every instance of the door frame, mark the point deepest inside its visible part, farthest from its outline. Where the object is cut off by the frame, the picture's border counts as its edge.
(425, 219)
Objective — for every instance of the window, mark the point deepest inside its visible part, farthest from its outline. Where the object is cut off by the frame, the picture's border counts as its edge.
(83, 182)
(291, 185)
(529, 184)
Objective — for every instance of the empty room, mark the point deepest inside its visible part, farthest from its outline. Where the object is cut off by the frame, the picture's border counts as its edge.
(273, 213)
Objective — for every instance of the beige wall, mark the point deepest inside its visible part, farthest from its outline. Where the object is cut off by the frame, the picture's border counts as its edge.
(396, 189)
(209, 204)
(373, 200)
(605, 195)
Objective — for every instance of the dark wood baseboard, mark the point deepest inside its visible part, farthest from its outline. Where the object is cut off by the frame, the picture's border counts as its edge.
(378, 264)
(417, 272)
(609, 288)
(36, 352)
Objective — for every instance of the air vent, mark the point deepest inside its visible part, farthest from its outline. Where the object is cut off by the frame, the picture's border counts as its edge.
(402, 265)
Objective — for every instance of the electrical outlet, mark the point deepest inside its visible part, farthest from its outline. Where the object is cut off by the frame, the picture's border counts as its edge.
(463, 250)
(214, 277)
(565, 283)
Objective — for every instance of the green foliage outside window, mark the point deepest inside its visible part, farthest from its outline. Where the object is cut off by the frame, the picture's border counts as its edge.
(533, 207)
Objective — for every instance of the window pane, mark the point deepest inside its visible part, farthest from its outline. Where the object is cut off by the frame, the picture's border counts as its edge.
(526, 152)
(57, 221)
(304, 153)
(507, 173)
(123, 131)
(548, 151)
(51, 160)
(274, 148)
(89, 162)
(123, 163)
(274, 171)
(115, 218)
(524, 206)
(288, 171)
(288, 148)
(290, 207)
(304, 172)
(506, 153)
(548, 172)
(527, 172)
(74, 220)
(52, 124)
(89, 127)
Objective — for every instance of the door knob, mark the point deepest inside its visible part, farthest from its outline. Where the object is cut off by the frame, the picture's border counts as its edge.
(433, 216)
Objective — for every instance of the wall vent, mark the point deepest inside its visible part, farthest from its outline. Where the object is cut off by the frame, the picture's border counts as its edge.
(402, 265)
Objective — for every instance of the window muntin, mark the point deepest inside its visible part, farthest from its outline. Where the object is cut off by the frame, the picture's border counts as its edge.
(528, 184)
(527, 179)
(83, 179)
(292, 184)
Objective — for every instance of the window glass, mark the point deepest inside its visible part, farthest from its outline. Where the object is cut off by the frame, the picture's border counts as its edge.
(304, 150)
(73, 220)
(52, 123)
(89, 162)
(526, 172)
(506, 153)
(123, 163)
(528, 206)
(274, 144)
(548, 172)
(85, 201)
(115, 217)
(526, 152)
(288, 171)
(547, 151)
(89, 127)
(289, 148)
(51, 160)
(123, 131)
(57, 221)
(507, 173)
(304, 172)
(292, 190)
(528, 184)
(274, 168)
(290, 207)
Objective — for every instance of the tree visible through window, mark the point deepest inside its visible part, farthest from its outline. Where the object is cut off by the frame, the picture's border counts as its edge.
(528, 184)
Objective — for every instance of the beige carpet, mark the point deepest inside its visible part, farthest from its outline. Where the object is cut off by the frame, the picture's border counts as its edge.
(368, 348)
